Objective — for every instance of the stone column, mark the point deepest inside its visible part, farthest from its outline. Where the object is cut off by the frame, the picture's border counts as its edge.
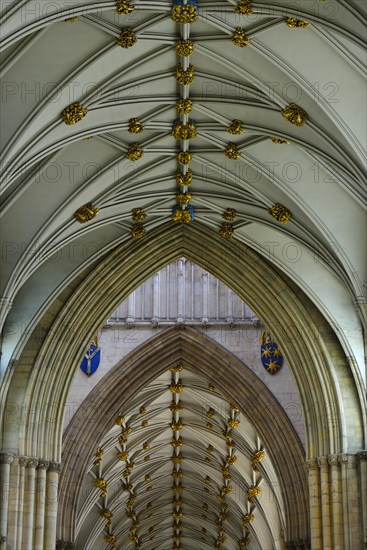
(336, 503)
(229, 306)
(323, 464)
(156, 300)
(343, 461)
(130, 320)
(40, 505)
(315, 504)
(52, 481)
(29, 504)
(181, 290)
(5, 462)
(205, 294)
(362, 466)
(23, 461)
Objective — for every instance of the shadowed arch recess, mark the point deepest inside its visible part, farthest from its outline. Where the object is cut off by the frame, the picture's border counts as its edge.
(222, 369)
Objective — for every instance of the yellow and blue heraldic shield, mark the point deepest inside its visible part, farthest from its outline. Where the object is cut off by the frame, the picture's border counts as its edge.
(271, 356)
(92, 357)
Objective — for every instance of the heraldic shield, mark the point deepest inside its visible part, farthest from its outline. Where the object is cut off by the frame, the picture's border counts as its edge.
(91, 360)
(271, 356)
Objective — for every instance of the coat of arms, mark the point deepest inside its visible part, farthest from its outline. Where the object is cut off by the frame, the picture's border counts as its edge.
(271, 356)
(91, 360)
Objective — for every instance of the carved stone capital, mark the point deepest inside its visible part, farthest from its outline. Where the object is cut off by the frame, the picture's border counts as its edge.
(333, 460)
(43, 464)
(2, 539)
(6, 458)
(343, 459)
(32, 463)
(362, 456)
(311, 464)
(54, 467)
(23, 461)
(322, 461)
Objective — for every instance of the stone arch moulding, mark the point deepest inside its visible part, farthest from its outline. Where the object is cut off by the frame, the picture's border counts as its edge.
(219, 367)
(333, 408)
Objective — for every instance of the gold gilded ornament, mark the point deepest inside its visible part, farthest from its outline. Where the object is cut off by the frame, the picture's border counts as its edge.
(184, 179)
(86, 213)
(185, 48)
(231, 152)
(227, 489)
(243, 7)
(98, 454)
(184, 14)
(144, 424)
(235, 128)
(184, 76)
(296, 23)
(243, 543)
(127, 431)
(184, 158)
(240, 38)
(184, 106)
(127, 38)
(176, 459)
(177, 368)
(211, 387)
(147, 458)
(176, 388)
(135, 126)
(207, 480)
(253, 492)
(233, 406)
(248, 518)
(184, 198)
(102, 485)
(233, 423)
(71, 19)
(232, 459)
(124, 455)
(229, 215)
(176, 407)
(177, 515)
(134, 152)
(177, 489)
(138, 215)
(280, 213)
(257, 456)
(208, 460)
(210, 412)
(209, 425)
(280, 141)
(226, 231)
(108, 515)
(142, 411)
(176, 426)
(73, 113)
(182, 216)
(177, 442)
(209, 449)
(295, 114)
(146, 446)
(138, 231)
(147, 478)
(184, 131)
(177, 474)
(124, 7)
(120, 420)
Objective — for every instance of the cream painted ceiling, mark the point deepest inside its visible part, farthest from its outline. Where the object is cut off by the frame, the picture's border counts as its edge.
(50, 169)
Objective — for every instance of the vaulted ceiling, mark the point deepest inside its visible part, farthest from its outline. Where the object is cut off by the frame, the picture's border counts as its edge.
(51, 169)
(181, 467)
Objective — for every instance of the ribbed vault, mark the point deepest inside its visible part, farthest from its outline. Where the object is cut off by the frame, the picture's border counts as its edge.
(144, 409)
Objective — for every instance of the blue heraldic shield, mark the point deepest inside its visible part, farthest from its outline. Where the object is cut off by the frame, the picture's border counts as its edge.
(91, 360)
(271, 356)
